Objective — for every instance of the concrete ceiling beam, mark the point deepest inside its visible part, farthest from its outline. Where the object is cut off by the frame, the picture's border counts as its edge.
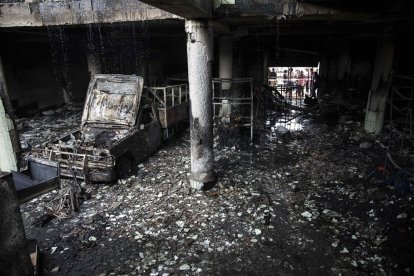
(188, 9)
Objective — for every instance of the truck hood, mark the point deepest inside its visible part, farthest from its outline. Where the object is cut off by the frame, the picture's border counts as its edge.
(112, 101)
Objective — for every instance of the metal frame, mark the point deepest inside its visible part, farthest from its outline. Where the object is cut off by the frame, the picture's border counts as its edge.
(293, 93)
(400, 102)
(164, 94)
(217, 101)
(170, 100)
(79, 165)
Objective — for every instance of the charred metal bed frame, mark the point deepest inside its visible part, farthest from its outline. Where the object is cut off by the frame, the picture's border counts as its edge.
(172, 104)
(397, 133)
(220, 101)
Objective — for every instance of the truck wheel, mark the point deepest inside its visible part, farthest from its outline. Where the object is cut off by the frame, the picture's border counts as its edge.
(125, 167)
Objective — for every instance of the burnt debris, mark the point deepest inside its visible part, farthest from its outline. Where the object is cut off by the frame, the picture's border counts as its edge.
(305, 205)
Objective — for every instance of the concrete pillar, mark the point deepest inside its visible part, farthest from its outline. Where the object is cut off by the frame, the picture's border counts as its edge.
(344, 66)
(226, 71)
(9, 142)
(323, 70)
(4, 93)
(14, 254)
(374, 116)
(94, 65)
(226, 59)
(265, 68)
(200, 58)
(333, 72)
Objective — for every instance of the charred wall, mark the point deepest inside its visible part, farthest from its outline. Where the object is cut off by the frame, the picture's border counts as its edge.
(403, 64)
(41, 63)
(348, 67)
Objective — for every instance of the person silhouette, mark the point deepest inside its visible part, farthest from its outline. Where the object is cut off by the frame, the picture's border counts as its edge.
(315, 85)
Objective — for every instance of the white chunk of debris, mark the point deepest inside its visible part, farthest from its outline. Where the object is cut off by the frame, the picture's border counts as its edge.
(185, 267)
(257, 232)
(344, 251)
(402, 216)
(331, 213)
(354, 263)
(180, 223)
(306, 214)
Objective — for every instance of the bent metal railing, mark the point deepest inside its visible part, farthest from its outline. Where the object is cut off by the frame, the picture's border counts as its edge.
(397, 136)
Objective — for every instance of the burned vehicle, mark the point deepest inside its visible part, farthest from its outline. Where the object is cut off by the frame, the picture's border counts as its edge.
(120, 127)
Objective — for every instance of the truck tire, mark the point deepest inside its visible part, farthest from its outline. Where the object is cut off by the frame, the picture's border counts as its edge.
(125, 166)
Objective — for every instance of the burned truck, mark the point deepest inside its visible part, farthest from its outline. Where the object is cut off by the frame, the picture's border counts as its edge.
(119, 127)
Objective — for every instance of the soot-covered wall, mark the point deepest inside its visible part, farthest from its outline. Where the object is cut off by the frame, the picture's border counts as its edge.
(40, 62)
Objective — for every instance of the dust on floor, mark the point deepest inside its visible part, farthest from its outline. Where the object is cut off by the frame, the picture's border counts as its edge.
(307, 204)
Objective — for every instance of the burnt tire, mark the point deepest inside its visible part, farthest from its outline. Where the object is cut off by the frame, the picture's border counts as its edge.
(125, 167)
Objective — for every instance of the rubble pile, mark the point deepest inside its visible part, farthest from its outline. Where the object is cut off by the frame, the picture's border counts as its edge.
(48, 126)
(305, 205)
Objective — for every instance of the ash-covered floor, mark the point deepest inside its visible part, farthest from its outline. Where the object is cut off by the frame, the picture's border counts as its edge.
(307, 204)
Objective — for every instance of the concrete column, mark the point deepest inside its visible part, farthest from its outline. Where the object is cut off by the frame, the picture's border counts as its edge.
(374, 116)
(343, 70)
(14, 254)
(265, 68)
(9, 142)
(94, 65)
(200, 58)
(344, 65)
(333, 72)
(226, 59)
(4, 93)
(323, 70)
(226, 71)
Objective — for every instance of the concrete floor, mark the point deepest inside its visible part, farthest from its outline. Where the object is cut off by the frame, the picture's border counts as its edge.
(302, 206)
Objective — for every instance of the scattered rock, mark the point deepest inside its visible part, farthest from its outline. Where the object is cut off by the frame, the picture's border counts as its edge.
(402, 216)
(344, 251)
(88, 220)
(306, 214)
(154, 225)
(184, 267)
(180, 223)
(114, 205)
(55, 270)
